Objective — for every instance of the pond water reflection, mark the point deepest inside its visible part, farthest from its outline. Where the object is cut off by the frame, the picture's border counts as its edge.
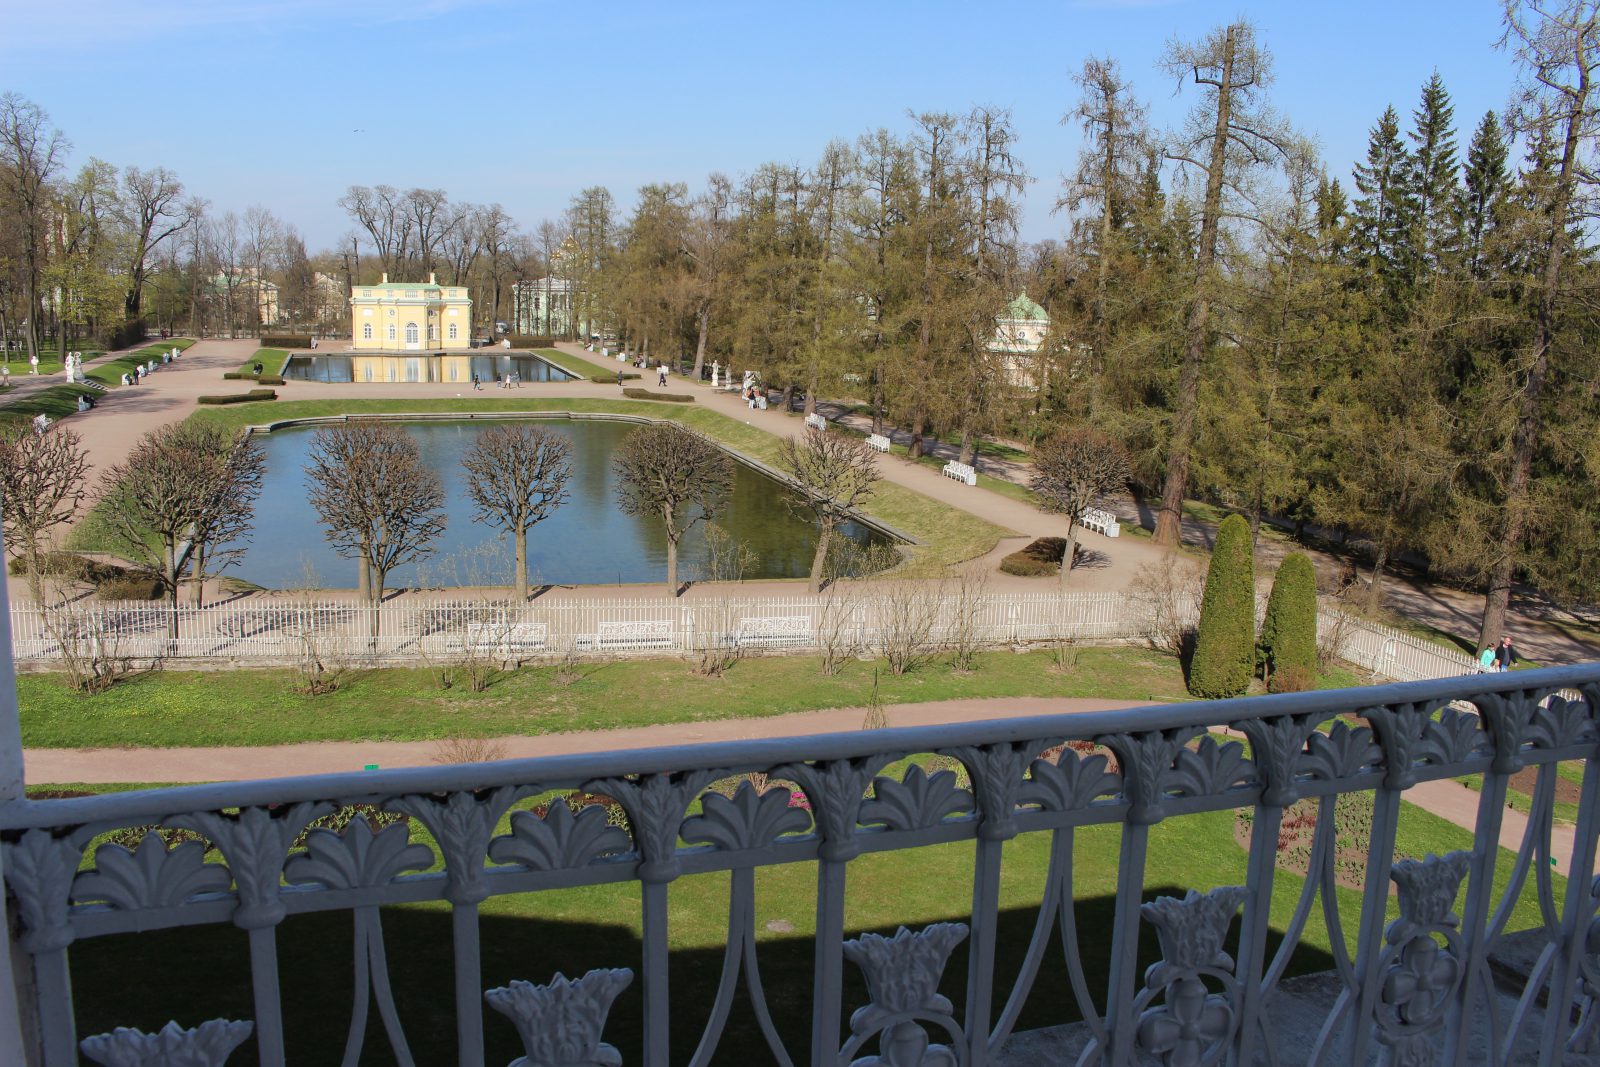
(430, 367)
(586, 541)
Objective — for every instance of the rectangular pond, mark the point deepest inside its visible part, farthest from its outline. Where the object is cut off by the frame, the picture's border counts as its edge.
(423, 367)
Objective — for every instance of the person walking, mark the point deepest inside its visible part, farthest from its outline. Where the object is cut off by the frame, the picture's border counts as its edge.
(476, 384)
(619, 380)
(1507, 653)
(661, 377)
(1486, 659)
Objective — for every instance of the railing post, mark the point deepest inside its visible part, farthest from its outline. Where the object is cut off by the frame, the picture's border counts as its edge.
(14, 1004)
(1574, 923)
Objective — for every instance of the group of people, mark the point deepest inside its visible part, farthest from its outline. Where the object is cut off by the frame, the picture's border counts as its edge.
(501, 381)
(1497, 658)
(756, 398)
(149, 367)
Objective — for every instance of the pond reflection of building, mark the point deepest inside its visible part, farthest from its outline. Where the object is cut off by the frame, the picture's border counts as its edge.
(448, 369)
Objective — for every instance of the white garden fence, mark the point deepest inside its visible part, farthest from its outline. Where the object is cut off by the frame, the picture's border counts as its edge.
(265, 630)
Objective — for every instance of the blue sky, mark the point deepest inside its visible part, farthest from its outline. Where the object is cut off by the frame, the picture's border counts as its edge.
(524, 102)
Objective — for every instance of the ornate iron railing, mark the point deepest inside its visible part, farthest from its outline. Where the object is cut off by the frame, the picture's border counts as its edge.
(1415, 990)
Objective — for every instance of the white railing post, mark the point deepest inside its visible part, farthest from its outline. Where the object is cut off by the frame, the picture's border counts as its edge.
(13, 973)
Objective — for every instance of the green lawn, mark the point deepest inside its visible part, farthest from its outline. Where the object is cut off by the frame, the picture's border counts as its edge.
(945, 535)
(109, 374)
(272, 361)
(260, 707)
(58, 401)
(203, 972)
(585, 367)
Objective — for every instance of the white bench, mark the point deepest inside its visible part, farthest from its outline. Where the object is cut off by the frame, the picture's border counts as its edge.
(816, 422)
(961, 472)
(502, 639)
(651, 633)
(878, 441)
(1100, 521)
(774, 631)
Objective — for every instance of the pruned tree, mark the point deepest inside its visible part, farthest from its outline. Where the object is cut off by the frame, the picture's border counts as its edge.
(516, 476)
(382, 505)
(42, 485)
(673, 474)
(834, 474)
(1075, 471)
(181, 503)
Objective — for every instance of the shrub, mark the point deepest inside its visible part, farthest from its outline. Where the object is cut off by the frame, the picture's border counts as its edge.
(1040, 559)
(234, 375)
(127, 335)
(611, 379)
(527, 340)
(129, 589)
(1289, 632)
(645, 394)
(238, 398)
(71, 566)
(1225, 645)
(285, 342)
(269, 379)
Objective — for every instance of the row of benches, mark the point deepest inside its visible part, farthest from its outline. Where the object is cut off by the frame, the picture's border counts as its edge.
(1100, 521)
(961, 472)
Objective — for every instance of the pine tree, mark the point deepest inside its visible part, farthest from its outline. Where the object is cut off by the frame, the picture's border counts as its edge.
(1225, 646)
(1484, 183)
(1430, 177)
(1289, 631)
(1382, 214)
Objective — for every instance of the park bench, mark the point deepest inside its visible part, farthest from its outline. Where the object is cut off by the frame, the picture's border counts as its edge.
(878, 441)
(816, 422)
(501, 638)
(1100, 521)
(774, 631)
(961, 472)
(650, 633)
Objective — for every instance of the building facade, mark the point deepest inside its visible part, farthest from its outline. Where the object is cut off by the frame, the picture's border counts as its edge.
(1019, 337)
(547, 307)
(410, 317)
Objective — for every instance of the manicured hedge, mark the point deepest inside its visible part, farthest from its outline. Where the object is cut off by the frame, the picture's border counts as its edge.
(130, 588)
(1225, 646)
(270, 379)
(285, 342)
(239, 398)
(645, 394)
(71, 565)
(611, 379)
(1040, 559)
(528, 340)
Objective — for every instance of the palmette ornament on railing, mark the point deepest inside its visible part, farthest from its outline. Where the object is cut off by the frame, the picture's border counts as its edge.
(256, 845)
(749, 819)
(917, 801)
(207, 1045)
(1192, 1025)
(560, 1023)
(1419, 975)
(903, 974)
(151, 875)
(39, 869)
(561, 840)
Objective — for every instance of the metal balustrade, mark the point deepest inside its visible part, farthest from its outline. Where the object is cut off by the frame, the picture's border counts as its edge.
(1419, 989)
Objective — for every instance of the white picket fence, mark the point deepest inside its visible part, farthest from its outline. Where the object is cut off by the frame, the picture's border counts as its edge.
(268, 630)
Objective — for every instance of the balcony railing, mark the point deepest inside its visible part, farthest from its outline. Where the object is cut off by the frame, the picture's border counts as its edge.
(1415, 989)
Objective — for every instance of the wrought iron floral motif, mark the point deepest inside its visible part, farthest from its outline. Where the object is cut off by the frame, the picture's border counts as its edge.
(1146, 760)
(1410, 734)
(1069, 782)
(916, 801)
(1559, 722)
(997, 781)
(39, 869)
(1276, 746)
(1192, 1025)
(560, 1023)
(1452, 737)
(207, 1045)
(462, 824)
(150, 876)
(356, 857)
(1343, 752)
(903, 974)
(835, 789)
(748, 819)
(562, 839)
(1208, 768)
(655, 804)
(1419, 975)
(256, 845)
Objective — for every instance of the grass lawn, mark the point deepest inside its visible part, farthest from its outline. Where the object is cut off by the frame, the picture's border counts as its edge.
(110, 374)
(945, 535)
(261, 707)
(195, 973)
(272, 361)
(58, 402)
(583, 366)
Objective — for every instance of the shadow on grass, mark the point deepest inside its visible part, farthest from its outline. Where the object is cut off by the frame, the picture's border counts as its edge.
(198, 973)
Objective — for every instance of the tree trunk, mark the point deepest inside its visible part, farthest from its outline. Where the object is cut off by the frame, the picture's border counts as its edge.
(969, 447)
(672, 566)
(376, 604)
(1070, 553)
(522, 564)
(788, 398)
(1374, 599)
(820, 560)
(364, 577)
(1169, 521)
(918, 424)
(702, 331)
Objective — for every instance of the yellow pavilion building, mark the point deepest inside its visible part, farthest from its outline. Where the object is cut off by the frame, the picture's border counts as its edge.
(410, 317)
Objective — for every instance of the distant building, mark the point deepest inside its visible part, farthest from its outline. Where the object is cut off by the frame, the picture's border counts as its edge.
(242, 285)
(1019, 336)
(410, 316)
(328, 298)
(544, 307)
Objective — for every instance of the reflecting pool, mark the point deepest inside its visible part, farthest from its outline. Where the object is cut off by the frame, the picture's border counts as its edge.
(587, 540)
(427, 367)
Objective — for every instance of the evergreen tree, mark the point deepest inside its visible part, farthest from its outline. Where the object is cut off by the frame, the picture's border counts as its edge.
(1225, 646)
(1382, 214)
(1430, 176)
(1484, 182)
(1289, 631)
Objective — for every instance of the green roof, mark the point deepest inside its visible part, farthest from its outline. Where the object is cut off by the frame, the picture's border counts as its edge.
(1025, 309)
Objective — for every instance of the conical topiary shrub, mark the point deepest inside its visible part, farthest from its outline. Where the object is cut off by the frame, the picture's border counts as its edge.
(1289, 632)
(1225, 646)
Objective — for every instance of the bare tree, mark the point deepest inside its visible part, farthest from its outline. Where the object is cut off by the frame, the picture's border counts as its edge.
(834, 474)
(181, 502)
(41, 488)
(153, 209)
(675, 475)
(380, 502)
(1073, 472)
(31, 150)
(516, 476)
